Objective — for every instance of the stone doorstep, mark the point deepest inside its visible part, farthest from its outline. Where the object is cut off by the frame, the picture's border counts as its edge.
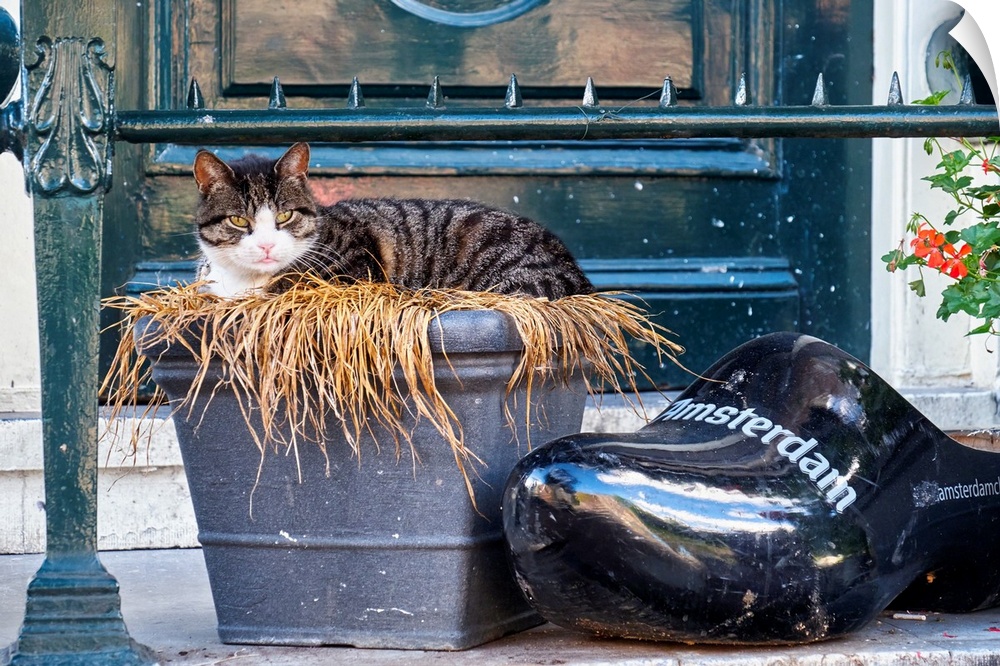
(143, 500)
(167, 606)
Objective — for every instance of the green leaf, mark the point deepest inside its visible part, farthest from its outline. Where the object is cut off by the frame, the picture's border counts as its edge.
(984, 192)
(934, 99)
(955, 298)
(990, 311)
(961, 184)
(918, 288)
(892, 259)
(955, 161)
(981, 236)
(950, 217)
(985, 328)
(941, 181)
(991, 306)
(948, 183)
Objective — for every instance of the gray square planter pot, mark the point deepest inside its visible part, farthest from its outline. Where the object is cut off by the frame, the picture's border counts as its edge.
(382, 553)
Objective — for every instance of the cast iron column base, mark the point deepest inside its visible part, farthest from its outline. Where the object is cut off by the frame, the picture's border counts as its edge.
(73, 616)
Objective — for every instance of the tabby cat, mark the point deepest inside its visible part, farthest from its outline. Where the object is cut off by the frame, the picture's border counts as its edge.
(257, 219)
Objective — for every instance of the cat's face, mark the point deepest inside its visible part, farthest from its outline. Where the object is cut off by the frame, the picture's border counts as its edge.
(256, 217)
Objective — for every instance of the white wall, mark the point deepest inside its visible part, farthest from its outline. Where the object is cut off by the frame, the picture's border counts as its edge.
(19, 365)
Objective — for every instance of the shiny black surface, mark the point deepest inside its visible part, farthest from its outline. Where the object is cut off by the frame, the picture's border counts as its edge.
(790, 496)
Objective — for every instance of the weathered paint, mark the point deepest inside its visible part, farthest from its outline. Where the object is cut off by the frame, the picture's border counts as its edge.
(73, 609)
(550, 124)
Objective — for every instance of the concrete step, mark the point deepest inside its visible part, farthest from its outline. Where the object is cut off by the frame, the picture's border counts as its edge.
(167, 606)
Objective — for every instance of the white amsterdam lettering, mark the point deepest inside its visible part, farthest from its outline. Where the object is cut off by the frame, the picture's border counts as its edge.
(815, 466)
(794, 448)
(966, 490)
(753, 426)
(775, 432)
(721, 415)
(744, 415)
(798, 451)
(845, 494)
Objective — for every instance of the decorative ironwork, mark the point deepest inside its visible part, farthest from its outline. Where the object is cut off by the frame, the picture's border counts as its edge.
(195, 99)
(355, 100)
(590, 100)
(435, 98)
(895, 91)
(743, 97)
(355, 124)
(277, 98)
(506, 11)
(968, 95)
(512, 100)
(70, 124)
(666, 120)
(668, 94)
(820, 98)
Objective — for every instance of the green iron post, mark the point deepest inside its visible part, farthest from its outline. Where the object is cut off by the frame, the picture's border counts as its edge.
(73, 613)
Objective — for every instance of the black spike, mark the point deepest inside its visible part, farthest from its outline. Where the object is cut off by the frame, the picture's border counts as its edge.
(277, 99)
(435, 100)
(355, 100)
(895, 91)
(743, 97)
(968, 96)
(820, 97)
(668, 95)
(195, 99)
(590, 100)
(512, 100)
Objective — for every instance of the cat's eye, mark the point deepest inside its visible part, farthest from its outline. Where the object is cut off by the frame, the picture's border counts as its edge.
(283, 216)
(238, 222)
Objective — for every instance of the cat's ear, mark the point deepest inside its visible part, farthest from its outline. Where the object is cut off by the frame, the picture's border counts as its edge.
(209, 171)
(295, 162)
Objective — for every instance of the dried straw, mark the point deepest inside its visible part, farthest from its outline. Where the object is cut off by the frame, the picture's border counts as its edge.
(321, 348)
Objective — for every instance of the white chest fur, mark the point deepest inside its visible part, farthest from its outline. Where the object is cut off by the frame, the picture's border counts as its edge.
(232, 284)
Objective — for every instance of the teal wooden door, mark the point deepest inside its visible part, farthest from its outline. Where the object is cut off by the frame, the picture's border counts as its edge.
(723, 239)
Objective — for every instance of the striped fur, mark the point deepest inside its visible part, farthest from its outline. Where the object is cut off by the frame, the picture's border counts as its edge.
(415, 243)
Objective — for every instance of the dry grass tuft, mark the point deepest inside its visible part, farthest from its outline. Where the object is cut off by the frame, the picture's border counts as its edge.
(277, 351)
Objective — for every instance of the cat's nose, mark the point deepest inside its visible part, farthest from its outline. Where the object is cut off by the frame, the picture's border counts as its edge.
(266, 247)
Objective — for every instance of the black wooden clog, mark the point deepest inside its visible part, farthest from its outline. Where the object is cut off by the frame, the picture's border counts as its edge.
(789, 496)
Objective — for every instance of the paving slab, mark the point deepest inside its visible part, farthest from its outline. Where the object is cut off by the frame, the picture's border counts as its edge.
(167, 606)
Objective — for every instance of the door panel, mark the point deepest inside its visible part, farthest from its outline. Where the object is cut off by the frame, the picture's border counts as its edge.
(551, 43)
(723, 239)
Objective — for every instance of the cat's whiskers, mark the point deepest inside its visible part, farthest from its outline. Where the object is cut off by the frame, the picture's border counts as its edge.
(315, 259)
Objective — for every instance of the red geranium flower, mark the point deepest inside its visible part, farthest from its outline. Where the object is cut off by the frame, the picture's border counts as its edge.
(932, 246)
